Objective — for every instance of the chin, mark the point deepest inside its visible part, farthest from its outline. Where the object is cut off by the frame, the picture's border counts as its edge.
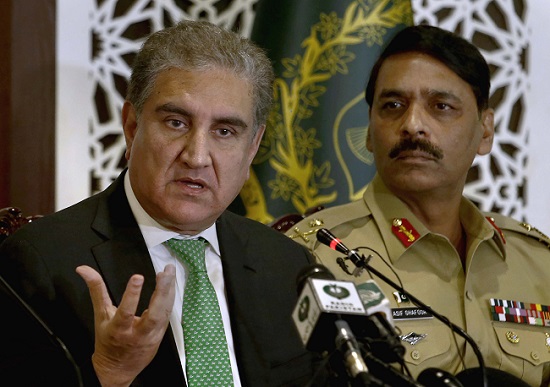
(412, 182)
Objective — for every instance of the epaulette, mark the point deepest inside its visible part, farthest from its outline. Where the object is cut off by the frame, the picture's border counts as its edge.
(501, 222)
(328, 218)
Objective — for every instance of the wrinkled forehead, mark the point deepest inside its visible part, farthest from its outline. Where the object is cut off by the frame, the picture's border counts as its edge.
(418, 70)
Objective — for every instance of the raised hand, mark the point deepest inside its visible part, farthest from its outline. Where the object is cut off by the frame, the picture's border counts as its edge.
(125, 343)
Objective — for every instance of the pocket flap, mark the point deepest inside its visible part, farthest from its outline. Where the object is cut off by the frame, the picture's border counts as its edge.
(436, 342)
(531, 343)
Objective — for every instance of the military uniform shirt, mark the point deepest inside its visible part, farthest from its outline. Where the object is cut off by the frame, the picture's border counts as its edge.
(505, 260)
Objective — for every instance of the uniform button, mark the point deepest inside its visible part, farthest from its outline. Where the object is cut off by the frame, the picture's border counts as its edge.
(469, 295)
(415, 354)
(535, 355)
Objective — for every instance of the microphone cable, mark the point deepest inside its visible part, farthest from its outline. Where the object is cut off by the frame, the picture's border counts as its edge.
(457, 347)
(327, 238)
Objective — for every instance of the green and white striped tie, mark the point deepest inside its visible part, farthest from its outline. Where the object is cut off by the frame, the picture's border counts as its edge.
(206, 350)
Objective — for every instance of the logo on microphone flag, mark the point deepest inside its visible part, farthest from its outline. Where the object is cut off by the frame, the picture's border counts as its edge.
(370, 294)
(322, 298)
(303, 308)
(336, 291)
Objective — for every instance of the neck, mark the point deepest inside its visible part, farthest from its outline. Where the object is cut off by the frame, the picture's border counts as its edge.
(441, 217)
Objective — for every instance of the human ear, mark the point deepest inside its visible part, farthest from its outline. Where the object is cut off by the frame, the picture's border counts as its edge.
(488, 128)
(129, 126)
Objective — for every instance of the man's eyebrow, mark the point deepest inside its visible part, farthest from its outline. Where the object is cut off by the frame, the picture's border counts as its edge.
(171, 108)
(230, 120)
(433, 93)
(390, 93)
(443, 94)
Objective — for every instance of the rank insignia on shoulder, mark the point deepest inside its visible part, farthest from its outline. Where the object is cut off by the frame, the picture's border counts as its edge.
(542, 237)
(315, 225)
(528, 227)
(404, 231)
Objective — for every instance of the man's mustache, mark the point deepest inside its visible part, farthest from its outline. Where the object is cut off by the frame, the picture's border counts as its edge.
(422, 145)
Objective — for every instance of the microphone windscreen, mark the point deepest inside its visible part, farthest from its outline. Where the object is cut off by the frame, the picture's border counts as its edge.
(312, 271)
(327, 238)
(434, 377)
(495, 377)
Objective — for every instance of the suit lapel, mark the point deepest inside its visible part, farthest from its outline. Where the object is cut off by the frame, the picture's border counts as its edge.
(241, 281)
(122, 254)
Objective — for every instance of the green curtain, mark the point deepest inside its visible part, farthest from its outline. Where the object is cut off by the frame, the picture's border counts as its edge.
(313, 152)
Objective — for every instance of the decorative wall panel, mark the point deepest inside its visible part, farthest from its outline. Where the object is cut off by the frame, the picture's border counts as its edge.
(497, 182)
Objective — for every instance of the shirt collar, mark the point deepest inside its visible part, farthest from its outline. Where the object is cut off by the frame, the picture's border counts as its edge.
(385, 207)
(154, 233)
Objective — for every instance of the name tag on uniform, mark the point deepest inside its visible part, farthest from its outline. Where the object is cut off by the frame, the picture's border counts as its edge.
(411, 313)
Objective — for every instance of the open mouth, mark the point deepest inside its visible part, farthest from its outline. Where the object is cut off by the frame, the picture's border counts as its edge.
(192, 183)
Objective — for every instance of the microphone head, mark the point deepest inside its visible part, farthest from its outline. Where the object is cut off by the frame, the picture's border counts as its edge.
(495, 377)
(435, 377)
(327, 238)
(312, 271)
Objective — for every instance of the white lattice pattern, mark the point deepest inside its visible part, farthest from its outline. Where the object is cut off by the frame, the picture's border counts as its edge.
(500, 179)
(112, 25)
(500, 183)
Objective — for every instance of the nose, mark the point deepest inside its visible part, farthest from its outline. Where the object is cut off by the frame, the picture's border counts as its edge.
(196, 150)
(415, 123)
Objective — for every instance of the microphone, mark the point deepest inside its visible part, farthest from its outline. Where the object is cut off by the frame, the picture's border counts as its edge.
(385, 343)
(330, 311)
(471, 376)
(323, 314)
(327, 238)
(34, 319)
(434, 377)
(347, 344)
(321, 302)
(374, 299)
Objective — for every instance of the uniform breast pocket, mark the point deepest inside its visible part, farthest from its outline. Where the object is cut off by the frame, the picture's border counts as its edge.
(526, 349)
(425, 343)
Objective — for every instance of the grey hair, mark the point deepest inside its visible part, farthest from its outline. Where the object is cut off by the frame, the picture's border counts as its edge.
(198, 46)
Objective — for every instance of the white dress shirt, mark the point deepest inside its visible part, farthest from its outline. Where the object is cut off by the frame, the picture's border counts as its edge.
(154, 235)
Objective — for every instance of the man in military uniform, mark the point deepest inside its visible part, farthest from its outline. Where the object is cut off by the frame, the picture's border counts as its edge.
(489, 274)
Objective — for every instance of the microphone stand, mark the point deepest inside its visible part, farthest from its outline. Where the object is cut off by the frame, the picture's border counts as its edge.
(355, 365)
(52, 336)
(363, 263)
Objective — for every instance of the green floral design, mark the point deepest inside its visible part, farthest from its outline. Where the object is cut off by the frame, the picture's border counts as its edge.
(289, 147)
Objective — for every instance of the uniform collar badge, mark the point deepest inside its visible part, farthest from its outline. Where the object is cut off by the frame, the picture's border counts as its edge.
(404, 231)
(492, 221)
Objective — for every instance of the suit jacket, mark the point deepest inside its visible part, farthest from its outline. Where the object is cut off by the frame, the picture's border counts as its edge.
(260, 269)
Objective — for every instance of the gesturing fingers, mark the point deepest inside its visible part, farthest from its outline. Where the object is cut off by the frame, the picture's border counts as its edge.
(161, 303)
(124, 342)
(124, 317)
(98, 291)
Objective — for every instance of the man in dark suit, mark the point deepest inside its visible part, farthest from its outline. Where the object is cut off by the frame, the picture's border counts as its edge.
(193, 120)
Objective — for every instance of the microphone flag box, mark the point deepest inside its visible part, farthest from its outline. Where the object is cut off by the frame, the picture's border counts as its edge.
(374, 299)
(320, 304)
